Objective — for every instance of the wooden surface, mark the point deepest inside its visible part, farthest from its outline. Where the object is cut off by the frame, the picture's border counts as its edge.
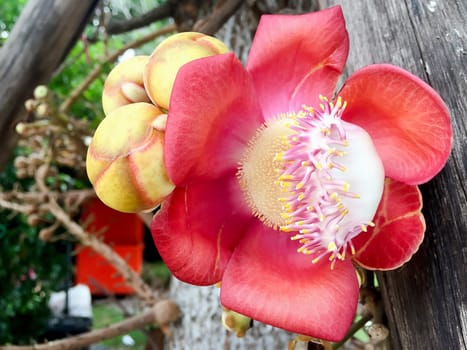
(41, 38)
(425, 300)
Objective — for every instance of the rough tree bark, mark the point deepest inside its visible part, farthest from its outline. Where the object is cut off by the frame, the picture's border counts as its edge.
(426, 299)
(40, 39)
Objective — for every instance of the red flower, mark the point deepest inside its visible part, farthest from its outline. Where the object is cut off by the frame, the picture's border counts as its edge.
(229, 152)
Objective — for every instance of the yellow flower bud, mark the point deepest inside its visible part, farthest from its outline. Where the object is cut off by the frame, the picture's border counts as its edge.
(125, 159)
(124, 84)
(169, 56)
(235, 322)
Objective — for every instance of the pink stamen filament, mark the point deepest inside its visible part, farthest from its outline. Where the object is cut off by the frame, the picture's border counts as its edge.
(313, 207)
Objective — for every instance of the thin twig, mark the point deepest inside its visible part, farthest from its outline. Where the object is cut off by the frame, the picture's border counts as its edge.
(20, 208)
(131, 277)
(353, 329)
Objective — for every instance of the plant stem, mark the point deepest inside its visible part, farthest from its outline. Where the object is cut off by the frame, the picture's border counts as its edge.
(353, 329)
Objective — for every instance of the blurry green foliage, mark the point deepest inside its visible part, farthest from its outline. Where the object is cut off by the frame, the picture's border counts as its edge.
(30, 270)
(105, 314)
(9, 12)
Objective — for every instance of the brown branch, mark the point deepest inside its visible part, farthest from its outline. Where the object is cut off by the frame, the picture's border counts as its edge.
(40, 197)
(162, 313)
(126, 312)
(111, 58)
(158, 13)
(20, 208)
(86, 239)
(221, 14)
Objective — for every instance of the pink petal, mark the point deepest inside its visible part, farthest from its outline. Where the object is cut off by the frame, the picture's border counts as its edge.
(213, 114)
(294, 58)
(267, 280)
(406, 118)
(398, 232)
(198, 227)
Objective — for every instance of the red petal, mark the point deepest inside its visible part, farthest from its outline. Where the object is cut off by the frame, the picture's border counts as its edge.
(406, 118)
(398, 232)
(198, 227)
(213, 114)
(294, 58)
(267, 280)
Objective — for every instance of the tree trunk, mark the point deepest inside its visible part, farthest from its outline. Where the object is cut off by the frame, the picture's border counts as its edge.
(426, 299)
(40, 39)
(201, 327)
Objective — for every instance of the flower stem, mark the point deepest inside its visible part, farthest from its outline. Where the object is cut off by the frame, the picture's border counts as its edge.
(353, 329)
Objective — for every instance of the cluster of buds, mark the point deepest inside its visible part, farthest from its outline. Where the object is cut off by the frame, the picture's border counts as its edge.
(125, 160)
(49, 142)
(26, 165)
(50, 137)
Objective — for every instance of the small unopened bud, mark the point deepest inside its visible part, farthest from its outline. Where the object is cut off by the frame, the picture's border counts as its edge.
(43, 110)
(46, 234)
(166, 312)
(361, 276)
(41, 92)
(20, 128)
(33, 220)
(30, 105)
(377, 332)
(235, 322)
(20, 162)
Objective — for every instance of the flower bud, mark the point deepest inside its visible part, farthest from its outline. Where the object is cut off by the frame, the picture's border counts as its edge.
(125, 159)
(43, 110)
(124, 84)
(30, 105)
(46, 234)
(33, 220)
(169, 56)
(166, 312)
(40, 92)
(20, 162)
(20, 128)
(235, 322)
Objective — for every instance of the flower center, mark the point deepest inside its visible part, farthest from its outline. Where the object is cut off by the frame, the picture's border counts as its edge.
(315, 176)
(259, 170)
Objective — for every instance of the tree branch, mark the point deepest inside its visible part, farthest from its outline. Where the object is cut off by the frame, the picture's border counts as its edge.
(162, 313)
(158, 13)
(86, 239)
(220, 15)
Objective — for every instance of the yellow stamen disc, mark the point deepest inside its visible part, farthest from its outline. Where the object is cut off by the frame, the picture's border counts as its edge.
(258, 172)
